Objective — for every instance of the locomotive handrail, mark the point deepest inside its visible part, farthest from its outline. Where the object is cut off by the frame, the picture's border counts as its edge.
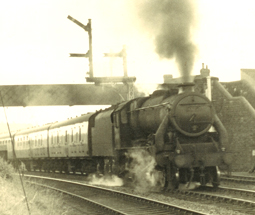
(199, 122)
(143, 108)
(193, 104)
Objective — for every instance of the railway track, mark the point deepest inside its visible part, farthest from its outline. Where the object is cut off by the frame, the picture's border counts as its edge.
(108, 201)
(244, 193)
(238, 179)
(240, 200)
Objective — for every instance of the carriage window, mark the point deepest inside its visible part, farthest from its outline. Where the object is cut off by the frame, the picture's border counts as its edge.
(72, 136)
(79, 133)
(57, 136)
(65, 136)
(51, 138)
(39, 140)
(76, 136)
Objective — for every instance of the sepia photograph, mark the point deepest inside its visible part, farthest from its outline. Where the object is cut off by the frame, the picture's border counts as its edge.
(127, 107)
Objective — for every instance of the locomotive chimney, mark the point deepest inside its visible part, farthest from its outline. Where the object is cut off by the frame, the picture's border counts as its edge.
(186, 87)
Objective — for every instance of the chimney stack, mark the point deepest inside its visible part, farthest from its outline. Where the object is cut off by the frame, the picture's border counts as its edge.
(204, 71)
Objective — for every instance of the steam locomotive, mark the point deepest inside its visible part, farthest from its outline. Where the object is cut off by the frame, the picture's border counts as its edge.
(173, 126)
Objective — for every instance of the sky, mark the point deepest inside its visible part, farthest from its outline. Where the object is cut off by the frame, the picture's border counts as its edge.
(36, 38)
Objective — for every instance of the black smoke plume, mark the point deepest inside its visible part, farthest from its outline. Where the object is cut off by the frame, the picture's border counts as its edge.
(171, 23)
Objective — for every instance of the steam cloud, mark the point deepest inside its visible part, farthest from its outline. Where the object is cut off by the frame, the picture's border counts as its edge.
(106, 180)
(142, 168)
(171, 22)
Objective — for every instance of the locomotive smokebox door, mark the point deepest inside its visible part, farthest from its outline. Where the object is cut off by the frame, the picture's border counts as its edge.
(192, 113)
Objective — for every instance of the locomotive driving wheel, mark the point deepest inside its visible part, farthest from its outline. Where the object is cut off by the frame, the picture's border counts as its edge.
(215, 175)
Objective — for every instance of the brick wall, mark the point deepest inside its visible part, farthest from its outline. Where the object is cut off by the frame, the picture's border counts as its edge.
(238, 116)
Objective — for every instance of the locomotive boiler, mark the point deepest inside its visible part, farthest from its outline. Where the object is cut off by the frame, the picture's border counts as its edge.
(178, 128)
